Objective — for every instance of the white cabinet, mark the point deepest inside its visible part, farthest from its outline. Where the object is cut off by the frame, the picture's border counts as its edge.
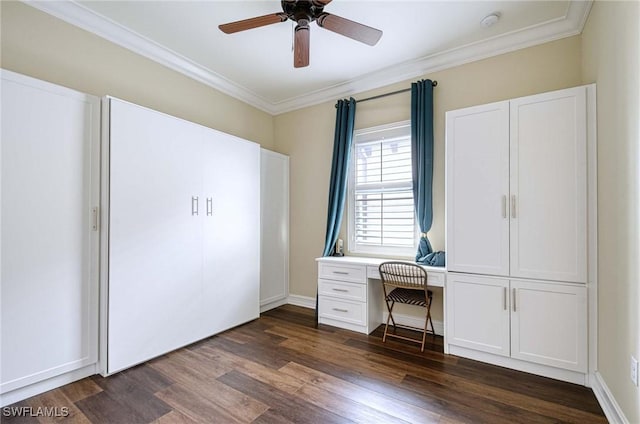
(478, 313)
(345, 297)
(517, 187)
(534, 321)
(274, 230)
(517, 202)
(183, 260)
(49, 249)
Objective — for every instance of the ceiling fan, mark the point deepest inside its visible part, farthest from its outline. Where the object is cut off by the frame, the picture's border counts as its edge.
(303, 12)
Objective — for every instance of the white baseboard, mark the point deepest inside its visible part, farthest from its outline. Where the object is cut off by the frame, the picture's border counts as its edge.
(413, 321)
(304, 301)
(270, 304)
(22, 393)
(608, 403)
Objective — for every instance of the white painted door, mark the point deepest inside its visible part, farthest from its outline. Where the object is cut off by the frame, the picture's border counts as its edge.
(477, 189)
(231, 231)
(549, 186)
(478, 313)
(155, 253)
(548, 324)
(274, 210)
(49, 185)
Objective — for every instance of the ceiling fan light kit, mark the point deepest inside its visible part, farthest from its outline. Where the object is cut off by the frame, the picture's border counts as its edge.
(303, 12)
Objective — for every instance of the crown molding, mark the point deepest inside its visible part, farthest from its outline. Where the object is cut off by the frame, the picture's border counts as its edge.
(571, 24)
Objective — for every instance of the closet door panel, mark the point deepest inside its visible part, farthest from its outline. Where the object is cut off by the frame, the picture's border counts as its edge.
(231, 231)
(477, 189)
(549, 186)
(48, 272)
(155, 263)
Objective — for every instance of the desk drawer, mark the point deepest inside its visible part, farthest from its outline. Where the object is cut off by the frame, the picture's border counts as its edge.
(342, 310)
(342, 290)
(350, 273)
(435, 279)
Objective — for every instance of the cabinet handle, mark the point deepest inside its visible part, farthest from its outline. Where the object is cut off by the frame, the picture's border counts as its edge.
(504, 298)
(209, 206)
(514, 299)
(341, 272)
(340, 310)
(341, 290)
(504, 206)
(513, 206)
(94, 219)
(194, 205)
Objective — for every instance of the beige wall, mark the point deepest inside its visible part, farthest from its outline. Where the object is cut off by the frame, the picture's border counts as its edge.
(611, 46)
(307, 136)
(41, 46)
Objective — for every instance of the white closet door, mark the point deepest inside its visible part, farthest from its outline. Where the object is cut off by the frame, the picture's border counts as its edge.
(155, 259)
(49, 184)
(231, 230)
(274, 210)
(548, 324)
(549, 186)
(478, 313)
(477, 189)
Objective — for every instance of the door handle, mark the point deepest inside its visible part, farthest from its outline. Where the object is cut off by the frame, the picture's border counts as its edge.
(504, 298)
(504, 206)
(513, 206)
(514, 299)
(194, 205)
(209, 206)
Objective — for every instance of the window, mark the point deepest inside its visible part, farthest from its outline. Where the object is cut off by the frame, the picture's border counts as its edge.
(381, 211)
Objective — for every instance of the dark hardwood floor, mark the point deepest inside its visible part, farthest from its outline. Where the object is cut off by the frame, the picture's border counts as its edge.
(280, 369)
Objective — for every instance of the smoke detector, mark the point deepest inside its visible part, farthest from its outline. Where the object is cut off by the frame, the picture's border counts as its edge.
(490, 20)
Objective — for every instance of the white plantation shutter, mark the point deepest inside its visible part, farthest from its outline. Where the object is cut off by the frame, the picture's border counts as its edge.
(381, 203)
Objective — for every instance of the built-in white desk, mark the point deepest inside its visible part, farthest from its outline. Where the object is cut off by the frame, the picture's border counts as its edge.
(347, 296)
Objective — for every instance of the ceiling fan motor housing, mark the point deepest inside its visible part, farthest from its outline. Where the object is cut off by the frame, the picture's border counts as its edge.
(303, 11)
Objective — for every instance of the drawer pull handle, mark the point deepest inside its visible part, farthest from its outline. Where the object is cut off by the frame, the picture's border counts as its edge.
(341, 290)
(341, 272)
(340, 310)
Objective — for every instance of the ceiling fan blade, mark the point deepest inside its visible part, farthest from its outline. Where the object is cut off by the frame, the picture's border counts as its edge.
(359, 32)
(251, 23)
(301, 47)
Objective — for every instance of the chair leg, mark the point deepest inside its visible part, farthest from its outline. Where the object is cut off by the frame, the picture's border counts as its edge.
(424, 333)
(389, 317)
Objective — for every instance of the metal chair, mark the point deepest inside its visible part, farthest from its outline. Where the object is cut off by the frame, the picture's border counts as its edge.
(405, 282)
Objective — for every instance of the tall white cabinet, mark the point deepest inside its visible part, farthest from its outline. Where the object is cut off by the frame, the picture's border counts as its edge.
(274, 231)
(517, 232)
(184, 211)
(48, 233)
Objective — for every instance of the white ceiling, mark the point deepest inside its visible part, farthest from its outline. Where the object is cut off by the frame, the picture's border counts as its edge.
(256, 66)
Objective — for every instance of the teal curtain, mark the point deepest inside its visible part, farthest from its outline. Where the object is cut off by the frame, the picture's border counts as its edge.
(422, 161)
(343, 137)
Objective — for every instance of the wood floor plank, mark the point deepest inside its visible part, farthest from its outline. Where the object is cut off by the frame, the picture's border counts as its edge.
(281, 403)
(103, 408)
(188, 366)
(344, 356)
(56, 399)
(394, 407)
(252, 369)
(174, 417)
(196, 405)
(80, 389)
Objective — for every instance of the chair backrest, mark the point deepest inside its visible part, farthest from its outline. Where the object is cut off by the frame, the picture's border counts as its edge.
(403, 274)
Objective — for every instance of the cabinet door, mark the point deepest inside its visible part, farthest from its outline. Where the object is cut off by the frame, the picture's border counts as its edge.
(548, 324)
(48, 266)
(231, 231)
(478, 313)
(477, 189)
(155, 254)
(274, 211)
(549, 186)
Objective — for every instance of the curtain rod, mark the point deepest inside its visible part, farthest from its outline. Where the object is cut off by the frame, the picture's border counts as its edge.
(434, 83)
